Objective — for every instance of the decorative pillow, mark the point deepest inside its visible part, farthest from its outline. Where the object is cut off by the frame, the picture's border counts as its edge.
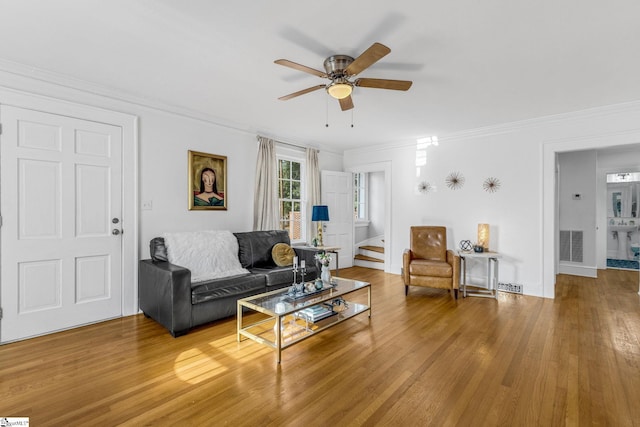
(282, 254)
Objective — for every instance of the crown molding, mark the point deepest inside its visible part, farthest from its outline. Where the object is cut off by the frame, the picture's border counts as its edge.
(71, 83)
(68, 82)
(544, 121)
(510, 127)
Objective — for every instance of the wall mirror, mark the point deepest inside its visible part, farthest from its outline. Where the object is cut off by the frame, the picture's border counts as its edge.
(623, 191)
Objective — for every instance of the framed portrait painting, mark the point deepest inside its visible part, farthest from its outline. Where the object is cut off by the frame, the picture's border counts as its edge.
(207, 181)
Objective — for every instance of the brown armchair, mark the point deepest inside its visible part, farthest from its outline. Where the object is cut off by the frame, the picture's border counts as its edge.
(428, 262)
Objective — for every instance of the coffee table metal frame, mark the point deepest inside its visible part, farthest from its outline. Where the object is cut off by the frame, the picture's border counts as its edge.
(277, 305)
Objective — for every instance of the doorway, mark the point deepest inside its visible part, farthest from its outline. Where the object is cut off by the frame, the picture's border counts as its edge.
(626, 141)
(623, 221)
(383, 171)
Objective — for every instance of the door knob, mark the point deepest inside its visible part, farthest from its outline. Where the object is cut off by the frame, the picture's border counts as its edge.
(115, 231)
(115, 220)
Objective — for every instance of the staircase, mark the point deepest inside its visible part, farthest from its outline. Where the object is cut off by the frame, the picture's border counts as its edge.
(369, 257)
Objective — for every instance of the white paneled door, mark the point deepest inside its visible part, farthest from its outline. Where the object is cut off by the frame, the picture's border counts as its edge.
(61, 203)
(337, 194)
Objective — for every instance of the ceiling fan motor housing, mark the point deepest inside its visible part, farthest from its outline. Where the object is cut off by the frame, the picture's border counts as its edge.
(335, 66)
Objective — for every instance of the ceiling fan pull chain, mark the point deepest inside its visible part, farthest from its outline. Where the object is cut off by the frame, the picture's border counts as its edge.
(352, 117)
(327, 111)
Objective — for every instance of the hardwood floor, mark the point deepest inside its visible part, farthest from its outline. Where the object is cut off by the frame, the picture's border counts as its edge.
(424, 359)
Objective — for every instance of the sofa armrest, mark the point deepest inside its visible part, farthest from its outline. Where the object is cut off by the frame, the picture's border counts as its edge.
(407, 256)
(454, 260)
(164, 291)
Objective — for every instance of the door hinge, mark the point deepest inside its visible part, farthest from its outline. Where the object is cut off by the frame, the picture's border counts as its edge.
(0, 313)
(0, 128)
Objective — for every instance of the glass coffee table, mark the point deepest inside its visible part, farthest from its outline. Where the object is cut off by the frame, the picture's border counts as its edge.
(288, 319)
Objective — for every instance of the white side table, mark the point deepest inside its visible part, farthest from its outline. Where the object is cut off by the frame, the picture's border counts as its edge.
(331, 249)
(492, 273)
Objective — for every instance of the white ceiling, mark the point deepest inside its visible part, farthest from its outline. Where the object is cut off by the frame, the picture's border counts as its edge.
(473, 63)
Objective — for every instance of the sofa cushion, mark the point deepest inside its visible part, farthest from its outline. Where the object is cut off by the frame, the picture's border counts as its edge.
(282, 254)
(254, 247)
(227, 287)
(422, 267)
(276, 276)
(429, 242)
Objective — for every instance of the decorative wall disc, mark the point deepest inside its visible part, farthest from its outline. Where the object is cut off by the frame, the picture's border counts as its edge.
(455, 180)
(491, 185)
(424, 187)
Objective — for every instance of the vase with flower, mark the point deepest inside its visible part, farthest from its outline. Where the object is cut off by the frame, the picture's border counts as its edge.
(324, 259)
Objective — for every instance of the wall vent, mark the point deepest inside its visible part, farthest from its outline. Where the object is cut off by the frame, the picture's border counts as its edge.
(571, 245)
(510, 287)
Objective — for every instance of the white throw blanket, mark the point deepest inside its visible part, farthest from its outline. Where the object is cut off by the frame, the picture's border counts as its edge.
(209, 254)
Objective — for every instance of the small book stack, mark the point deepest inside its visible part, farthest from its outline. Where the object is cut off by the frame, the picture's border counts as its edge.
(317, 312)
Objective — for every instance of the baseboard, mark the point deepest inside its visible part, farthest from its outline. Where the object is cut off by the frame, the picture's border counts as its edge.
(578, 270)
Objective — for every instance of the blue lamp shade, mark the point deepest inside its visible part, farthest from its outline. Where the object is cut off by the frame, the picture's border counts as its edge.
(320, 213)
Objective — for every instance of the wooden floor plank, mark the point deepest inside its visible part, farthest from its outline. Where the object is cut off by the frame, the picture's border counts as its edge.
(421, 359)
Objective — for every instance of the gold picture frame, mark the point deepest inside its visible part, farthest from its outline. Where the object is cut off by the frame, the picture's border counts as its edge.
(207, 181)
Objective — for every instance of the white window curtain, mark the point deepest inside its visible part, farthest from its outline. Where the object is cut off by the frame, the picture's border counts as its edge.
(265, 200)
(313, 190)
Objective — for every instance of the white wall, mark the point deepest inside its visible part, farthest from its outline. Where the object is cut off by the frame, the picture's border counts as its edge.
(577, 175)
(164, 144)
(520, 215)
(165, 140)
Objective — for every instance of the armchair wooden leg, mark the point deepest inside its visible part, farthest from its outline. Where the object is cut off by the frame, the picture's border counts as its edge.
(406, 290)
(455, 291)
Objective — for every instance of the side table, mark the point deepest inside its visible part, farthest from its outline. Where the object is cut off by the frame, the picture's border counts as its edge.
(331, 249)
(492, 273)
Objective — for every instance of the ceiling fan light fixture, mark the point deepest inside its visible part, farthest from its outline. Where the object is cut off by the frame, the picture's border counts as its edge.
(340, 90)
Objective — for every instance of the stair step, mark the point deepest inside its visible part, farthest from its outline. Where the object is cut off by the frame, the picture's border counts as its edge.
(377, 265)
(378, 249)
(367, 258)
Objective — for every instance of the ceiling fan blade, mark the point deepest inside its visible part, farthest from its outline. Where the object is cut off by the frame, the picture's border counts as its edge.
(367, 58)
(300, 67)
(301, 92)
(384, 84)
(346, 103)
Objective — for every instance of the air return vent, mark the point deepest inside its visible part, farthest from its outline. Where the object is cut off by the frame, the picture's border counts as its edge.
(571, 245)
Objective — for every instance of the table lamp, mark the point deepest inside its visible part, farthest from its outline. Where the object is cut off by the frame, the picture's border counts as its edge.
(483, 236)
(320, 213)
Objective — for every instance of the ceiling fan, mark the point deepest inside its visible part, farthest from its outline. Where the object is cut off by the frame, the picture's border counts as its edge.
(340, 69)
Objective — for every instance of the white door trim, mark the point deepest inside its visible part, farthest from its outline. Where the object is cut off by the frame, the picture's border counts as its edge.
(129, 125)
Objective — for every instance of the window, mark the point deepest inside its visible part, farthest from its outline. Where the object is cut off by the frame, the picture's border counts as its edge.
(290, 192)
(360, 196)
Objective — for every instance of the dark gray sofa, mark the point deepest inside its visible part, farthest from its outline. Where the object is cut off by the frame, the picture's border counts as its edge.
(167, 295)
